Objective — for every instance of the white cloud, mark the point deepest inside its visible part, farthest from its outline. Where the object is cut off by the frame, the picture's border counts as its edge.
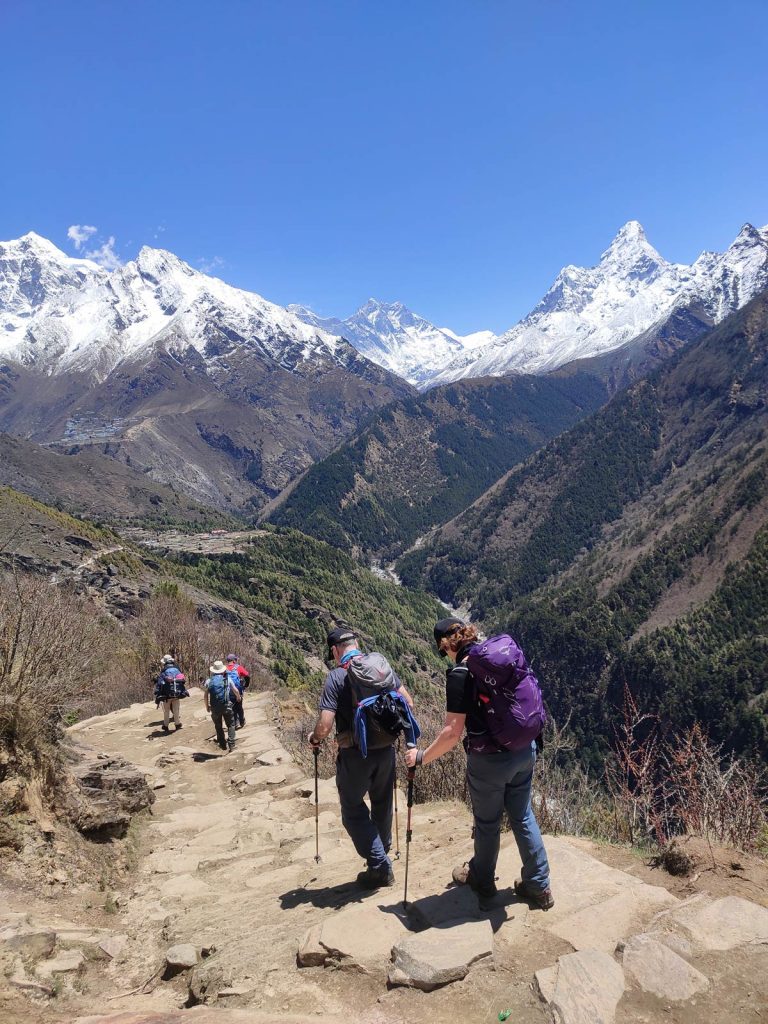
(209, 265)
(105, 255)
(80, 233)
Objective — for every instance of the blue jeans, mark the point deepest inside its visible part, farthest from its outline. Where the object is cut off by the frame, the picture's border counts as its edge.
(370, 831)
(497, 783)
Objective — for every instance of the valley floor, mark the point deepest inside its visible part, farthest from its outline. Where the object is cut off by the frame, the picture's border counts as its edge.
(225, 864)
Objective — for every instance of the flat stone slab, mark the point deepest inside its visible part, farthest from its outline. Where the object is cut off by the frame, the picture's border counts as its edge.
(114, 945)
(267, 775)
(456, 904)
(603, 925)
(29, 939)
(362, 935)
(70, 960)
(660, 971)
(722, 924)
(439, 956)
(275, 756)
(326, 791)
(583, 987)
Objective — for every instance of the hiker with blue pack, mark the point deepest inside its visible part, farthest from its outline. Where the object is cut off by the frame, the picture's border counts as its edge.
(371, 710)
(170, 690)
(221, 695)
(492, 693)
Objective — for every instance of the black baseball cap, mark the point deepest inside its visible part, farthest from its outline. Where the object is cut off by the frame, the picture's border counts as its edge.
(340, 635)
(444, 628)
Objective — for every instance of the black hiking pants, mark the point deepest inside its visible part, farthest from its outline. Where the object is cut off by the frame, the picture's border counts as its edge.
(224, 713)
(370, 830)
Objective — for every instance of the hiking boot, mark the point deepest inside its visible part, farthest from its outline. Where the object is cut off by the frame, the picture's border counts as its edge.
(464, 876)
(222, 746)
(376, 878)
(178, 726)
(541, 899)
(166, 728)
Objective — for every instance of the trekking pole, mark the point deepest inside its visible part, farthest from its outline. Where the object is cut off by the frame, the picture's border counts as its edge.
(408, 833)
(397, 819)
(316, 752)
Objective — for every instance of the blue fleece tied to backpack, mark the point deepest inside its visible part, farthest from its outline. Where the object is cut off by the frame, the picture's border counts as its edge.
(378, 703)
(367, 706)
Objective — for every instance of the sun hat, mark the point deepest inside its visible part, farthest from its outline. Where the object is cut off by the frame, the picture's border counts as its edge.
(217, 668)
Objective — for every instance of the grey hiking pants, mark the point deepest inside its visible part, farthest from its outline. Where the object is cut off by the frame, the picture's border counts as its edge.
(500, 783)
(224, 713)
(370, 830)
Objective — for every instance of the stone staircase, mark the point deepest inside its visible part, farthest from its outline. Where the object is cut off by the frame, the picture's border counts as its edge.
(227, 868)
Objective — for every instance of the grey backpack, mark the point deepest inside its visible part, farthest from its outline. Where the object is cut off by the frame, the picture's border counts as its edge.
(371, 675)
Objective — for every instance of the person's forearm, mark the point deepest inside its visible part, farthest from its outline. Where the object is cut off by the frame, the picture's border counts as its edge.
(444, 742)
(320, 731)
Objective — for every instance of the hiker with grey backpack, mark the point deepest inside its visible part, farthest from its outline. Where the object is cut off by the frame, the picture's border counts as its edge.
(492, 693)
(371, 710)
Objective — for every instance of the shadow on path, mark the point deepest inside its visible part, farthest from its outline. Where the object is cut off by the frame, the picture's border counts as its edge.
(328, 897)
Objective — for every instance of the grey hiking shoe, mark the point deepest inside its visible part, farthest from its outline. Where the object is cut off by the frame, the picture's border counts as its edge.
(376, 878)
(463, 876)
(542, 899)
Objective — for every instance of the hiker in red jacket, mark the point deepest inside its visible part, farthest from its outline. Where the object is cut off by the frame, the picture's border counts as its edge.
(241, 678)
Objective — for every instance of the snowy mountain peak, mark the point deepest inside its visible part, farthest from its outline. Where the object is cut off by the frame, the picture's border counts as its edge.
(61, 313)
(592, 310)
(630, 249)
(393, 336)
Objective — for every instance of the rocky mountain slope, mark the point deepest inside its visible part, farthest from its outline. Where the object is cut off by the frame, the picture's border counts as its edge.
(631, 550)
(590, 311)
(391, 335)
(94, 485)
(231, 841)
(422, 460)
(216, 391)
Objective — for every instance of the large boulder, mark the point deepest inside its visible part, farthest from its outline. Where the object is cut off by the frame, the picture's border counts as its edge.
(102, 792)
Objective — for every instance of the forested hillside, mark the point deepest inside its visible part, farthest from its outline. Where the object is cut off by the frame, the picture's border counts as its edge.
(291, 587)
(422, 460)
(631, 550)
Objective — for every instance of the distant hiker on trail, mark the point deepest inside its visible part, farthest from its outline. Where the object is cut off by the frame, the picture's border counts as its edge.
(492, 692)
(241, 678)
(371, 708)
(170, 689)
(221, 695)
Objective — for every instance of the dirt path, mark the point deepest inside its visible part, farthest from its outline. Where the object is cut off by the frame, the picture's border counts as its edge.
(226, 864)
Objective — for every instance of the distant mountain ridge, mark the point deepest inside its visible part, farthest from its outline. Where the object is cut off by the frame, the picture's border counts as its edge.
(590, 311)
(60, 314)
(390, 334)
(204, 387)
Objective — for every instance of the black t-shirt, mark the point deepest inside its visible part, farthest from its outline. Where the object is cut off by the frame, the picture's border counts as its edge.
(459, 690)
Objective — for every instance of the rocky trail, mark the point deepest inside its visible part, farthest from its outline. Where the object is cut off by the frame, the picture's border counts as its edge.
(227, 918)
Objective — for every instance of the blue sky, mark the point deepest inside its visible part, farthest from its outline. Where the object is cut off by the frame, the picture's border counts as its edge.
(453, 155)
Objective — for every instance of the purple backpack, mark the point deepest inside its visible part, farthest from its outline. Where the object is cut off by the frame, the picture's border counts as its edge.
(508, 695)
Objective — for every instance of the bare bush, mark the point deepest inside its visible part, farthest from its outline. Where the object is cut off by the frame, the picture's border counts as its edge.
(52, 649)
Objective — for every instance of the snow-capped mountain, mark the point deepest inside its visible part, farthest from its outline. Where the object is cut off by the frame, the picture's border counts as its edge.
(64, 314)
(390, 334)
(593, 310)
(202, 386)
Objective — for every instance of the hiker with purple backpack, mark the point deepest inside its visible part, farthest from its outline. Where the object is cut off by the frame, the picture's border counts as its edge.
(492, 693)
